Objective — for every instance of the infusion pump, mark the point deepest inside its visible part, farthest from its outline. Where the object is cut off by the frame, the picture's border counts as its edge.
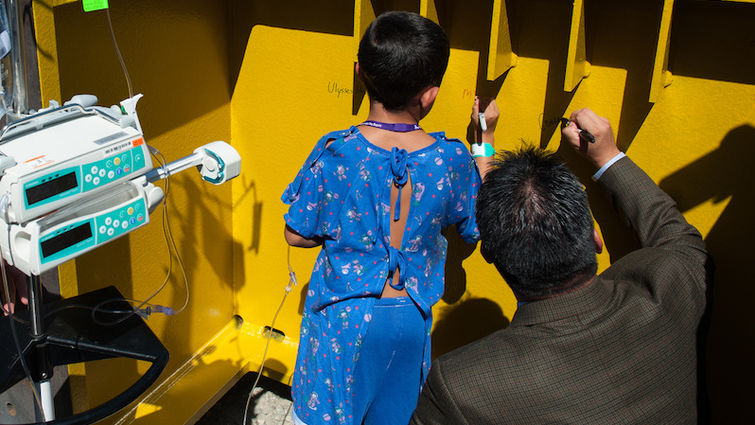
(44, 243)
(78, 176)
(52, 159)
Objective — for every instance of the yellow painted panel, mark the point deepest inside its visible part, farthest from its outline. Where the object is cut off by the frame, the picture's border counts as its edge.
(47, 53)
(661, 76)
(364, 13)
(428, 9)
(577, 66)
(500, 55)
(186, 393)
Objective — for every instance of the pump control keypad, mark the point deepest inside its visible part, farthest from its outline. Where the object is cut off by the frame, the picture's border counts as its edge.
(106, 170)
(120, 221)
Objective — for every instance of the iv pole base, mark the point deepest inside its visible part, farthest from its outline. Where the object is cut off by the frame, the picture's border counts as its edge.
(72, 337)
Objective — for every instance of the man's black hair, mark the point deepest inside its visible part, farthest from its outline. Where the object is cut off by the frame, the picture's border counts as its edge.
(535, 224)
(401, 54)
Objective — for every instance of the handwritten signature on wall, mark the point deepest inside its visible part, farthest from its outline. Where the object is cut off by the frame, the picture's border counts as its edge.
(467, 94)
(337, 90)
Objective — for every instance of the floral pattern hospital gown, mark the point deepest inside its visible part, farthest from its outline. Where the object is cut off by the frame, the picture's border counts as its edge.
(342, 195)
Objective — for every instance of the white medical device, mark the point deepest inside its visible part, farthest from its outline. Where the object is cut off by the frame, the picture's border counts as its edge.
(44, 243)
(77, 177)
(55, 158)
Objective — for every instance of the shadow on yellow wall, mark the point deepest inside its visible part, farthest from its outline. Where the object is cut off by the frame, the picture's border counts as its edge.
(725, 175)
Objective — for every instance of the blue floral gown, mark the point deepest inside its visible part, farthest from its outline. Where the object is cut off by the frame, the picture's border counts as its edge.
(342, 194)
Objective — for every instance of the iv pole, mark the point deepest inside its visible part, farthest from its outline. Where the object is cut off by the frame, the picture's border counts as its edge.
(17, 109)
(41, 353)
(18, 106)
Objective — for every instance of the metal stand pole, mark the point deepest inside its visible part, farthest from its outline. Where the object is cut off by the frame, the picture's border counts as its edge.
(41, 353)
(19, 105)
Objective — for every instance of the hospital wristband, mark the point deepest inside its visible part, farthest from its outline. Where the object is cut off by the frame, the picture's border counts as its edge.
(482, 149)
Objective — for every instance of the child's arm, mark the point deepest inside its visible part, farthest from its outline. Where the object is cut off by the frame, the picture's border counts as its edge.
(484, 132)
(295, 239)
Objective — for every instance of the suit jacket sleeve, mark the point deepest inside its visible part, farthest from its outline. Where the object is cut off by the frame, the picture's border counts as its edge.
(436, 406)
(672, 249)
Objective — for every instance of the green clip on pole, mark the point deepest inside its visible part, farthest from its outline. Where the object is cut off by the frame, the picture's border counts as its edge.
(91, 5)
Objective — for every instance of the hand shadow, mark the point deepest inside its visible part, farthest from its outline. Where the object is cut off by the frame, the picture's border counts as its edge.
(456, 276)
(469, 320)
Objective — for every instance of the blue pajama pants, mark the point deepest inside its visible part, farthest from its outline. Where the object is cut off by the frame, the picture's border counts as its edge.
(387, 376)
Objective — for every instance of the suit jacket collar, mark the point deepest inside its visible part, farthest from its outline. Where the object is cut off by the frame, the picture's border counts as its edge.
(583, 300)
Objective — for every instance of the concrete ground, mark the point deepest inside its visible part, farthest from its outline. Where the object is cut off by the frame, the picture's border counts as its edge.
(270, 404)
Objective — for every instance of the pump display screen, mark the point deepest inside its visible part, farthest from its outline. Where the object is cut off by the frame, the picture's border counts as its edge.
(50, 188)
(66, 239)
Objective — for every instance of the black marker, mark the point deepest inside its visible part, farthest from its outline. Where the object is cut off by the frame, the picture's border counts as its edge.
(582, 133)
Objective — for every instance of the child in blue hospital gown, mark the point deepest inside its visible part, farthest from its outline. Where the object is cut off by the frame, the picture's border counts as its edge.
(376, 197)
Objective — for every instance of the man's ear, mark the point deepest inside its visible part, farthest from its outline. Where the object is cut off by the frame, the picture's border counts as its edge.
(358, 70)
(598, 240)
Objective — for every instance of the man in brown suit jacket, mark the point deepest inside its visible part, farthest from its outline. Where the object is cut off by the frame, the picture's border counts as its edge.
(619, 347)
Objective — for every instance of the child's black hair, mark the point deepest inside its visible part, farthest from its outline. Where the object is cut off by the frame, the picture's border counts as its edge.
(401, 54)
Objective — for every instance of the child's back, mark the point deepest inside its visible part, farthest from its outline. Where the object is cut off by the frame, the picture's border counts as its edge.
(410, 142)
(347, 195)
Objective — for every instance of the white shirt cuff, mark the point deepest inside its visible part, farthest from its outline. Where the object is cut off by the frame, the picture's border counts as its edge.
(607, 165)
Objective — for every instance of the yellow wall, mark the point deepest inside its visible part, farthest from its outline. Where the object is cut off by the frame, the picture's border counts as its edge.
(272, 77)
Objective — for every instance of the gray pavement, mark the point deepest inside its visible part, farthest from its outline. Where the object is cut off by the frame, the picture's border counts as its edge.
(270, 404)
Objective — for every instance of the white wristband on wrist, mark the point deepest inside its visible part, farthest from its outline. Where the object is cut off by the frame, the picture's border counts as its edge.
(482, 149)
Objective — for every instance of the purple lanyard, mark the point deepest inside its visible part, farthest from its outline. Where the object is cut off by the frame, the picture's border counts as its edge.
(399, 127)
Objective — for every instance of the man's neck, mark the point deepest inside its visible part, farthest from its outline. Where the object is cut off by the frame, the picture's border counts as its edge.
(569, 288)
